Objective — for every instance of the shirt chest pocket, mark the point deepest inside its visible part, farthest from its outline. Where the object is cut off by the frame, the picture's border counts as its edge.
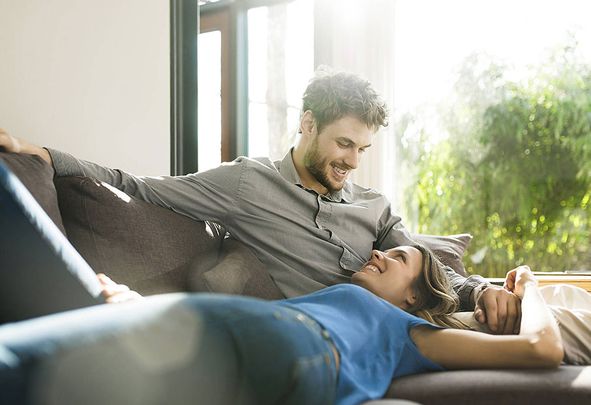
(350, 261)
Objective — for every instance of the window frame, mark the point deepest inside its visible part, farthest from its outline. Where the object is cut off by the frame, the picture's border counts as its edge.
(184, 27)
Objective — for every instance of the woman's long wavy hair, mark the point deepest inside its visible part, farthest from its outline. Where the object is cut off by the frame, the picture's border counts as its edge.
(436, 300)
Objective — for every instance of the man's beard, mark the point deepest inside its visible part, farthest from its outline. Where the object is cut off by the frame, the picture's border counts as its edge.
(318, 168)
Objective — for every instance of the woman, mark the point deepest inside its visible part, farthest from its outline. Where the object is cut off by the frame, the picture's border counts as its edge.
(342, 344)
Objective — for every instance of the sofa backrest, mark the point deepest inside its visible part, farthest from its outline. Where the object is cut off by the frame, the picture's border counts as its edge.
(149, 248)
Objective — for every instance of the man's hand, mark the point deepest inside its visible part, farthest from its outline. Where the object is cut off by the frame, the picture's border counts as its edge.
(116, 293)
(11, 144)
(500, 309)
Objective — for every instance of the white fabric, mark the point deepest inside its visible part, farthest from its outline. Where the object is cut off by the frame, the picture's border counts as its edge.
(571, 307)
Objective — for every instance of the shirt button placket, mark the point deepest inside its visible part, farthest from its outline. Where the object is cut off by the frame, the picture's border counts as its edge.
(323, 214)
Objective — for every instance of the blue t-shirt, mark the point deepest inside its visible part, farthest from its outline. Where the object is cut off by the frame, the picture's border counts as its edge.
(372, 337)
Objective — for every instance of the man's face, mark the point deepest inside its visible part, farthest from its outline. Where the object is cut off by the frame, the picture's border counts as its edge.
(337, 150)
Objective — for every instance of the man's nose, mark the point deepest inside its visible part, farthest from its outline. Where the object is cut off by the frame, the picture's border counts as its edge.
(352, 159)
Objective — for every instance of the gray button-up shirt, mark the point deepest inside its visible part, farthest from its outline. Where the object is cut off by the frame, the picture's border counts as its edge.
(307, 241)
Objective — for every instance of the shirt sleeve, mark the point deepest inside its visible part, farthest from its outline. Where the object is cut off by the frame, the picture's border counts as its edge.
(464, 287)
(209, 195)
(390, 231)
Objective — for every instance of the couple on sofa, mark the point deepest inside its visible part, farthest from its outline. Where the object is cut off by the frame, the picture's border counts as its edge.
(313, 229)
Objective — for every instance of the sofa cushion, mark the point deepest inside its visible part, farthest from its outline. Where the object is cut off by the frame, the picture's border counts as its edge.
(565, 385)
(450, 249)
(37, 176)
(238, 271)
(149, 248)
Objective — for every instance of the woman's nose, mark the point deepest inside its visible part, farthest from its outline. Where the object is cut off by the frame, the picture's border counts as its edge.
(376, 254)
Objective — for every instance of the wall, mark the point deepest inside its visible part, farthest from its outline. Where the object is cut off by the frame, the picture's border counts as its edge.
(91, 77)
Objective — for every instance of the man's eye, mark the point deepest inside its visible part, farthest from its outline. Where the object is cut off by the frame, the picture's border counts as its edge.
(361, 150)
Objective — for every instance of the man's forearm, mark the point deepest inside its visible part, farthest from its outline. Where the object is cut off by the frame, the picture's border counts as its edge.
(466, 288)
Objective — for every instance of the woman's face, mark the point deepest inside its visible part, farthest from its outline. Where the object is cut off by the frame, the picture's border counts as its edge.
(390, 274)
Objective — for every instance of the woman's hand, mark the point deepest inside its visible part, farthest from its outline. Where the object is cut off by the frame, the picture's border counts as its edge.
(11, 144)
(518, 278)
(116, 293)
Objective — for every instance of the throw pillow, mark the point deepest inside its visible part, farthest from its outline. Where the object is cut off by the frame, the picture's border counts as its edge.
(146, 247)
(449, 249)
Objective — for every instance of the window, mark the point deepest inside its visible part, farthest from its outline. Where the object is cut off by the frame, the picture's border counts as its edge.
(255, 58)
(210, 100)
(490, 126)
(280, 63)
(214, 93)
(491, 102)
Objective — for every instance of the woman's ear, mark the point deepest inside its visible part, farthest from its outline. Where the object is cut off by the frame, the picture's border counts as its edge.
(411, 298)
(308, 124)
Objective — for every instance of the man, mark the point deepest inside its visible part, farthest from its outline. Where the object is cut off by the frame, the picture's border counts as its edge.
(300, 215)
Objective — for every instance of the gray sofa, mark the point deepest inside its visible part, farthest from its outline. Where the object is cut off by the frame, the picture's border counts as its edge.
(154, 250)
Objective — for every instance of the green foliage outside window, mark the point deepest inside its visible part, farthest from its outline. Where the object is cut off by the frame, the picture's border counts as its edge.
(515, 169)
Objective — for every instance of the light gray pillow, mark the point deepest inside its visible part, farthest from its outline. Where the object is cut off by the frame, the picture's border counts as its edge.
(449, 249)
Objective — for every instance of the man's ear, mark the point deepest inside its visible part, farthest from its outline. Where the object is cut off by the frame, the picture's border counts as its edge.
(308, 124)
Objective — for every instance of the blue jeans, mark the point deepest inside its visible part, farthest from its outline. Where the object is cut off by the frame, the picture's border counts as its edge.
(175, 348)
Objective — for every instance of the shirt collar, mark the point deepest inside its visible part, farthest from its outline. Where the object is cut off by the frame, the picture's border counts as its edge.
(287, 169)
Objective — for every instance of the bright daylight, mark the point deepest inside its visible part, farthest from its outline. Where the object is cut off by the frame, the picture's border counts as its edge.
(489, 127)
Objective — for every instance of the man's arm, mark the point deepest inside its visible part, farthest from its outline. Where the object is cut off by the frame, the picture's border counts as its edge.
(210, 195)
(14, 145)
(466, 288)
(494, 305)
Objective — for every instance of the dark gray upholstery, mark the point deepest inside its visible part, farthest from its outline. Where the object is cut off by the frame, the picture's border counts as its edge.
(149, 248)
(239, 271)
(566, 385)
(37, 176)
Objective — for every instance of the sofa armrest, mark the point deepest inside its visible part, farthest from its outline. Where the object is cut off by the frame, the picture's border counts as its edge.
(37, 177)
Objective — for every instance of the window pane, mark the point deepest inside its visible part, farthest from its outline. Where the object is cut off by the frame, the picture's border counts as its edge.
(280, 63)
(495, 128)
(209, 99)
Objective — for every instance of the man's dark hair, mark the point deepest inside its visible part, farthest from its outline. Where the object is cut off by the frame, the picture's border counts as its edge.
(333, 95)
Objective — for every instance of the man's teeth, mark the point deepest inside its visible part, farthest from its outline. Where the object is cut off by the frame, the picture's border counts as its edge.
(340, 171)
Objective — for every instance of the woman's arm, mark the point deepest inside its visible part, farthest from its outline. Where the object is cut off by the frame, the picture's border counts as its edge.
(537, 345)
